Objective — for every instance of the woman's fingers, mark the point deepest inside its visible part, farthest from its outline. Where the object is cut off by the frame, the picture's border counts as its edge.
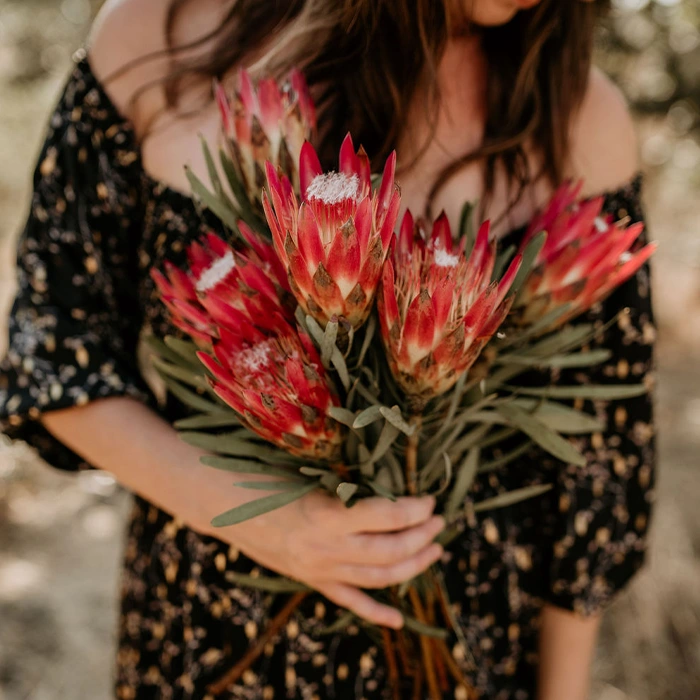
(392, 548)
(394, 574)
(362, 605)
(382, 515)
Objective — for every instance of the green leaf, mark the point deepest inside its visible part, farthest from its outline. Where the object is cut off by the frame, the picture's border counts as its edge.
(532, 250)
(464, 478)
(512, 497)
(381, 490)
(466, 229)
(397, 475)
(270, 485)
(393, 415)
(412, 624)
(565, 339)
(561, 418)
(214, 176)
(519, 337)
(192, 400)
(471, 439)
(211, 201)
(506, 459)
(545, 437)
(244, 466)
(266, 583)
(330, 482)
(186, 349)
(166, 353)
(342, 415)
(369, 331)
(260, 506)
(368, 416)
(337, 359)
(235, 445)
(328, 342)
(610, 392)
(313, 471)
(343, 622)
(187, 376)
(504, 257)
(346, 491)
(207, 420)
(448, 475)
(386, 439)
(561, 361)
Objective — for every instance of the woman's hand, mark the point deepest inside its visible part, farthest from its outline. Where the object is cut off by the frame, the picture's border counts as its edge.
(317, 540)
(338, 550)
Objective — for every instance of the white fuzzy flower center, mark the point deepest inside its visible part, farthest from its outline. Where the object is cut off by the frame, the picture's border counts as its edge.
(255, 358)
(333, 188)
(216, 272)
(600, 224)
(444, 259)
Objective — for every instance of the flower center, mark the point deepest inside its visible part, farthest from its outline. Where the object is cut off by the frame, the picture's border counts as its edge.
(216, 272)
(333, 188)
(444, 259)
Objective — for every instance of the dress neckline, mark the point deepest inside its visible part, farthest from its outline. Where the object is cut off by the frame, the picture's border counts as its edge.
(161, 189)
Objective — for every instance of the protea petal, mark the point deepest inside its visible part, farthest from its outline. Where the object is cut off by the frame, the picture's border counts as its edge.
(309, 167)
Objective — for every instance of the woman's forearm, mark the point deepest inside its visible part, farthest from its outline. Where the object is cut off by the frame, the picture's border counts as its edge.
(567, 644)
(145, 454)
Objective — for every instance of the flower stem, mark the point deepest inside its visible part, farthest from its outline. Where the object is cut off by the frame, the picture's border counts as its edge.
(415, 421)
(426, 647)
(251, 657)
(393, 669)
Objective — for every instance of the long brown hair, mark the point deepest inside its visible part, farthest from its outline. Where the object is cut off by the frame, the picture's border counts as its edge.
(365, 59)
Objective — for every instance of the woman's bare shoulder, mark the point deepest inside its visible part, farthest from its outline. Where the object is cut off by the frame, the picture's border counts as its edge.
(604, 149)
(125, 31)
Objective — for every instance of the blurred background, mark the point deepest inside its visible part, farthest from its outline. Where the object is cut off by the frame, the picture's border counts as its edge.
(61, 535)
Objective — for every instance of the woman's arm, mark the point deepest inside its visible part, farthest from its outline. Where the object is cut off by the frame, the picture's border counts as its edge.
(567, 643)
(317, 540)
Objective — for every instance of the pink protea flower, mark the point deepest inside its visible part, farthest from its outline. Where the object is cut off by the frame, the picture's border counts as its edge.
(270, 123)
(270, 373)
(334, 243)
(585, 257)
(218, 275)
(438, 308)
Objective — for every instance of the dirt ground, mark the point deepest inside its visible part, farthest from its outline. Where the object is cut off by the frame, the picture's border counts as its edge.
(61, 535)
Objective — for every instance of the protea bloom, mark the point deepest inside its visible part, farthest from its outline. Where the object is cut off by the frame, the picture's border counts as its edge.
(218, 275)
(270, 373)
(335, 241)
(438, 307)
(270, 123)
(585, 256)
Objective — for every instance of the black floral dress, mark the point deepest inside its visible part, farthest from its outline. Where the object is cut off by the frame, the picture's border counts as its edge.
(97, 226)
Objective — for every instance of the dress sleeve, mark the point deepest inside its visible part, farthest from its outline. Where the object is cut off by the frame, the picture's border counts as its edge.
(74, 325)
(600, 531)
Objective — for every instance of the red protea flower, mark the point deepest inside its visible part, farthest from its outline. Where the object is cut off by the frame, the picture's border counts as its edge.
(270, 373)
(219, 274)
(585, 256)
(335, 242)
(270, 123)
(438, 307)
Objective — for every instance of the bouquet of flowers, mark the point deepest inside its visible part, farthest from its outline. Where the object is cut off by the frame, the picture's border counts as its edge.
(326, 345)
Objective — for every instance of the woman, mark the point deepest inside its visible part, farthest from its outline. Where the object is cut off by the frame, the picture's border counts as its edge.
(484, 99)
